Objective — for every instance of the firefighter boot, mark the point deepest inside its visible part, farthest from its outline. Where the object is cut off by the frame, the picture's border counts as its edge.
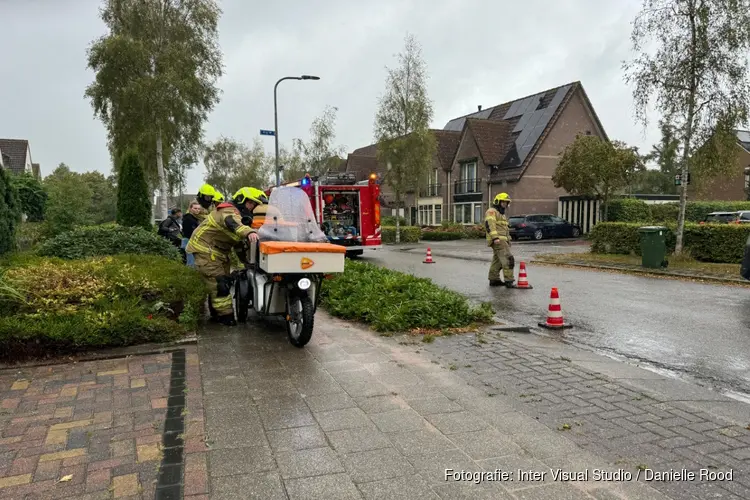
(227, 320)
(496, 283)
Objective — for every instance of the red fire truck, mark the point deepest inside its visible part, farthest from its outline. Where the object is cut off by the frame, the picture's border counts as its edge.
(348, 211)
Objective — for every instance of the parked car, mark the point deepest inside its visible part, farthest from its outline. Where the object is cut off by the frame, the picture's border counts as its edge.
(745, 270)
(743, 217)
(721, 218)
(540, 226)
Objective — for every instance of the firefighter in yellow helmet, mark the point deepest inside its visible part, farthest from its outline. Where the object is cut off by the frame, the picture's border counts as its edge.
(208, 197)
(257, 196)
(498, 237)
(212, 243)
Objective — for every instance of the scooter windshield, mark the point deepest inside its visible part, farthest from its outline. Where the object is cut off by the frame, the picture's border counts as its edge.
(290, 217)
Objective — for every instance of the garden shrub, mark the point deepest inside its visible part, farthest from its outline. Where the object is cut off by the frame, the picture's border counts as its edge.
(102, 240)
(409, 234)
(391, 301)
(721, 243)
(442, 235)
(51, 306)
(475, 232)
(697, 211)
(628, 210)
(31, 196)
(29, 235)
(390, 220)
(10, 213)
(133, 199)
(663, 213)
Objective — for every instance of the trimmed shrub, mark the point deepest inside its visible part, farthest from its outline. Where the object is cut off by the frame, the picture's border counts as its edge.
(409, 234)
(133, 200)
(442, 235)
(721, 243)
(50, 307)
(663, 213)
(391, 301)
(390, 220)
(628, 210)
(10, 213)
(475, 232)
(698, 210)
(93, 241)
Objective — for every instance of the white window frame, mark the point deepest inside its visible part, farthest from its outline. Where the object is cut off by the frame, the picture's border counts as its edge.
(475, 205)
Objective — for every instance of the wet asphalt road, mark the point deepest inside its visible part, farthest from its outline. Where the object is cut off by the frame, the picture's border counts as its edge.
(699, 331)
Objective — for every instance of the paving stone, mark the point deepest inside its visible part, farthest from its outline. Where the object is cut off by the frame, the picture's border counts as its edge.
(468, 490)
(364, 389)
(308, 463)
(359, 439)
(551, 492)
(376, 465)
(332, 401)
(337, 486)
(260, 486)
(231, 461)
(515, 463)
(433, 465)
(284, 418)
(545, 444)
(399, 421)
(487, 443)
(297, 438)
(456, 422)
(237, 438)
(398, 488)
(429, 406)
(380, 404)
(422, 441)
(348, 418)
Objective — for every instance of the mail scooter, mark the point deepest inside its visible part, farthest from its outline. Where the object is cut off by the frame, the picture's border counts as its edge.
(285, 268)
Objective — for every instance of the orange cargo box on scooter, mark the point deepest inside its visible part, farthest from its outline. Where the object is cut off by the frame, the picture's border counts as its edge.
(303, 258)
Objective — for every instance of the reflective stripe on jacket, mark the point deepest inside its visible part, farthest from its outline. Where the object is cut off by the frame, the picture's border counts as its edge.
(219, 232)
(496, 226)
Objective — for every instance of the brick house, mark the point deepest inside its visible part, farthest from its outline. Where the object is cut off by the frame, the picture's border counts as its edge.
(732, 187)
(512, 147)
(16, 157)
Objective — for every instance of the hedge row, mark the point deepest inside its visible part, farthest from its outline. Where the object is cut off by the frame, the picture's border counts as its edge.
(409, 234)
(723, 243)
(632, 210)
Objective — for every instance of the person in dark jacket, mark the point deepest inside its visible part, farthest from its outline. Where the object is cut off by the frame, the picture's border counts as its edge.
(189, 223)
(170, 228)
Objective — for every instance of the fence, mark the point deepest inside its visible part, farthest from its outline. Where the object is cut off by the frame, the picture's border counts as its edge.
(579, 210)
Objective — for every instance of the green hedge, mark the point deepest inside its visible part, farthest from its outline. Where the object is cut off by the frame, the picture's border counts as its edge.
(390, 220)
(409, 234)
(442, 235)
(30, 234)
(50, 306)
(724, 243)
(95, 241)
(633, 210)
(397, 302)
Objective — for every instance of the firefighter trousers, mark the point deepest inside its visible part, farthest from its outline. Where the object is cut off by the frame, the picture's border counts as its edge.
(502, 259)
(215, 273)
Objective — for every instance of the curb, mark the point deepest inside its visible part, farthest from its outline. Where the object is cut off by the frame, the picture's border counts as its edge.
(645, 272)
(112, 353)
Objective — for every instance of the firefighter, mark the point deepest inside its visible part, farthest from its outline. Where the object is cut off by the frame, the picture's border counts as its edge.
(498, 237)
(208, 197)
(212, 243)
(258, 214)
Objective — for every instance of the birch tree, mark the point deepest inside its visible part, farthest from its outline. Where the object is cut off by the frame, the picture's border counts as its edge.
(156, 72)
(697, 76)
(402, 124)
(319, 153)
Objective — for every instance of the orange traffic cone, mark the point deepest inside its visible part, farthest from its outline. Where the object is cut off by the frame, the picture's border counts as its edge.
(555, 319)
(428, 259)
(523, 280)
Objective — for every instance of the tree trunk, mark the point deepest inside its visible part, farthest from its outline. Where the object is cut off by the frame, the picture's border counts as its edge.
(163, 190)
(398, 217)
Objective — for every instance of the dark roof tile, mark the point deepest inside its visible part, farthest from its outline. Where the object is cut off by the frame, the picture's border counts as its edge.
(447, 145)
(15, 149)
(493, 139)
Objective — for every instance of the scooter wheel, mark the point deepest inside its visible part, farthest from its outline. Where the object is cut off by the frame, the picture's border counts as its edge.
(300, 332)
(241, 299)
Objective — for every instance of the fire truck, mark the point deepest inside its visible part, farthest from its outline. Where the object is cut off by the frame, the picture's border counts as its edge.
(348, 211)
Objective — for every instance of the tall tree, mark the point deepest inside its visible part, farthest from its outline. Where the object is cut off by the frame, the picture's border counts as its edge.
(10, 213)
(133, 200)
(156, 73)
(31, 196)
(292, 161)
(402, 124)
(231, 164)
(103, 197)
(591, 166)
(69, 201)
(698, 75)
(320, 154)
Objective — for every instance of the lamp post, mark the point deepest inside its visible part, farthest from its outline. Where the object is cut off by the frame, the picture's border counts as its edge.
(276, 117)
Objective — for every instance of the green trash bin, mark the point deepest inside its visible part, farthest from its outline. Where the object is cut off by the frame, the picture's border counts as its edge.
(653, 246)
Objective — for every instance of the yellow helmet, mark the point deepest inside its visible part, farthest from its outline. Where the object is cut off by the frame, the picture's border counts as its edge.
(206, 195)
(249, 193)
(218, 197)
(501, 197)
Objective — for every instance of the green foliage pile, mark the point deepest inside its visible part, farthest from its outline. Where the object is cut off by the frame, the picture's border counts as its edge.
(50, 307)
(632, 210)
(409, 234)
(133, 200)
(31, 196)
(391, 301)
(95, 241)
(10, 213)
(722, 243)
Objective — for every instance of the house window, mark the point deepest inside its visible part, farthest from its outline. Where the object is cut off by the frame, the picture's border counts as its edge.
(468, 213)
(467, 182)
(438, 215)
(477, 214)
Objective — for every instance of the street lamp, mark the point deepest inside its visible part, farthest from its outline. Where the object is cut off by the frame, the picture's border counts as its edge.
(276, 118)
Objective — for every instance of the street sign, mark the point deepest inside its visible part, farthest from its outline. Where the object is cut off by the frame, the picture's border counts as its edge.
(267, 132)
(678, 179)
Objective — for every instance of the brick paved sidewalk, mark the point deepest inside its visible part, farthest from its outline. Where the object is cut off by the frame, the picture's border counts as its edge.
(98, 429)
(354, 415)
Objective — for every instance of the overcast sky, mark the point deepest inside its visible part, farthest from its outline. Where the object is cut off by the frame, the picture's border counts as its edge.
(477, 51)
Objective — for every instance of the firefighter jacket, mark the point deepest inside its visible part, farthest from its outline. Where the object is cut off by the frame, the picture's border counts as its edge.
(219, 232)
(496, 226)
